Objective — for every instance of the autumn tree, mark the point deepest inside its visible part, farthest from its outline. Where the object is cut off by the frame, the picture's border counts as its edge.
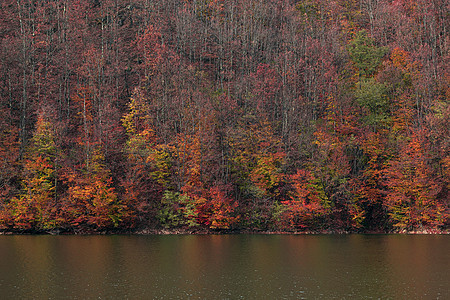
(148, 162)
(90, 200)
(308, 205)
(412, 199)
(257, 160)
(36, 206)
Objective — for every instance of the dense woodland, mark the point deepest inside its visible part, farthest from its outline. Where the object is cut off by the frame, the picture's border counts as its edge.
(259, 115)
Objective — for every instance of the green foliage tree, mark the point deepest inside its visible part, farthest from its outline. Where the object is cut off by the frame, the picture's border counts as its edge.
(372, 95)
(177, 210)
(364, 54)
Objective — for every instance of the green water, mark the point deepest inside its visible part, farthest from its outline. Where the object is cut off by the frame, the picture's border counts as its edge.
(225, 267)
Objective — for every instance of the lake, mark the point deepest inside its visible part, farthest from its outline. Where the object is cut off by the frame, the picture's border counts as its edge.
(225, 267)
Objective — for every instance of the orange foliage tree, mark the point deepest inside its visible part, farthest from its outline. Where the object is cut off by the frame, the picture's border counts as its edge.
(91, 200)
(412, 200)
(35, 207)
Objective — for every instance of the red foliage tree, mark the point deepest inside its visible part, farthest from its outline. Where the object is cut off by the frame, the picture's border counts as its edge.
(307, 205)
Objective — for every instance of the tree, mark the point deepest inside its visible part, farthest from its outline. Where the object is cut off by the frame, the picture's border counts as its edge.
(91, 201)
(36, 206)
(364, 54)
(307, 205)
(256, 163)
(372, 95)
(148, 162)
(412, 199)
(9, 153)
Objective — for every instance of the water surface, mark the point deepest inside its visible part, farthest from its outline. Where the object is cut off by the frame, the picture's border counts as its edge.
(225, 267)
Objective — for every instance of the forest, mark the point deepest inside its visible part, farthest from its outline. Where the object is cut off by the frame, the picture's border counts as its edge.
(224, 115)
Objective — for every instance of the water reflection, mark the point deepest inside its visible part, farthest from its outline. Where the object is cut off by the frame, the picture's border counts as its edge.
(233, 266)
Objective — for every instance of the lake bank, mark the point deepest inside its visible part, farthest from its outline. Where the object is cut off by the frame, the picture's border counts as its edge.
(202, 231)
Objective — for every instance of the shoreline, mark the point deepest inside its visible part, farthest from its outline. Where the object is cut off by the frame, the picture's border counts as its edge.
(181, 231)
